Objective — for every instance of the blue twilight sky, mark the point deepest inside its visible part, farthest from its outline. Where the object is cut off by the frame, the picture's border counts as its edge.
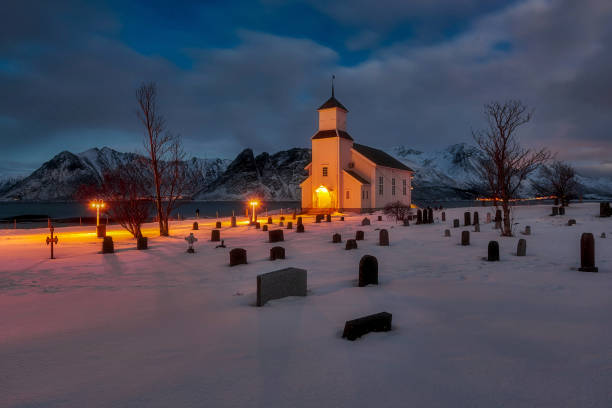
(237, 74)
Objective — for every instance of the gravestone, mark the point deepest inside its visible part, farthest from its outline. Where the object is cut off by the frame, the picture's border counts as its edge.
(215, 235)
(555, 211)
(467, 219)
(276, 235)
(571, 222)
(195, 226)
(238, 256)
(190, 241)
(603, 235)
(317, 218)
(379, 322)
(521, 248)
(280, 284)
(465, 238)
(328, 218)
(493, 251)
(264, 228)
(277, 252)
(108, 246)
(424, 220)
(587, 253)
(289, 225)
(233, 221)
(269, 220)
(605, 210)
(342, 218)
(447, 233)
(368, 271)
(257, 225)
(380, 218)
(383, 237)
(350, 244)
(142, 243)
(406, 222)
(488, 218)
(430, 215)
(419, 217)
(281, 224)
(476, 218)
(365, 221)
(443, 216)
(218, 224)
(476, 227)
(359, 236)
(561, 210)
(299, 221)
(336, 239)
(455, 223)
(300, 228)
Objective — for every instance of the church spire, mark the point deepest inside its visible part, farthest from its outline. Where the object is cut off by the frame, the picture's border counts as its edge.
(333, 77)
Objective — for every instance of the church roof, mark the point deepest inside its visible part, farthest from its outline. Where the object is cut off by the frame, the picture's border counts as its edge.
(332, 103)
(380, 158)
(357, 177)
(323, 134)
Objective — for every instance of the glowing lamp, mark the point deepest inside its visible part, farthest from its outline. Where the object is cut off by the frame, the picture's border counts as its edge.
(97, 204)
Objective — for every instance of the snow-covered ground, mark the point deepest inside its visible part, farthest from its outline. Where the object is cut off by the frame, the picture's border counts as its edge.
(163, 328)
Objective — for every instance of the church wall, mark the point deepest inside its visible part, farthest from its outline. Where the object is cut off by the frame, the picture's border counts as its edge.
(332, 119)
(388, 174)
(354, 188)
(307, 193)
(325, 154)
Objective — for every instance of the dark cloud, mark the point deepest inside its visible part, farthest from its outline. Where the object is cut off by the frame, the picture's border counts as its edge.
(68, 79)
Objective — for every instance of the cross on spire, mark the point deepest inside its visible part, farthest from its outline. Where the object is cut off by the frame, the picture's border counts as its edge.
(333, 77)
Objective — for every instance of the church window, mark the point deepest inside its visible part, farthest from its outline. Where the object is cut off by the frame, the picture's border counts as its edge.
(324, 171)
(380, 186)
(392, 186)
(404, 186)
(348, 194)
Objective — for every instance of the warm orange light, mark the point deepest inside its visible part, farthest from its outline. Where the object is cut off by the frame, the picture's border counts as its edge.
(321, 189)
(254, 203)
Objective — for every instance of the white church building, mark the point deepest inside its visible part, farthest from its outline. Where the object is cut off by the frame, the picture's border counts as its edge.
(347, 176)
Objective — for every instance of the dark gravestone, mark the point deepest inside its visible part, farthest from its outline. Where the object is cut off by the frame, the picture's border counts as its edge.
(380, 218)
(365, 221)
(587, 253)
(383, 237)
(276, 235)
(368, 271)
(406, 222)
(101, 231)
(289, 225)
(218, 224)
(603, 235)
(605, 210)
(379, 322)
(257, 225)
(424, 220)
(350, 244)
(142, 243)
(195, 226)
(571, 222)
(280, 284)
(277, 252)
(419, 216)
(108, 247)
(238, 256)
(561, 210)
(447, 233)
(555, 211)
(336, 238)
(359, 236)
(521, 248)
(443, 216)
(299, 221)
(342, 218)
(300, 228)
(233, 221)
(215, 235)
(264, 228)
(476, 218)
(318, 218)
(269, 220)
(465, 238)
(467, 219)
(430, 215)
(281, 224)
(527, 230)
(328, 218)
(493, 251)
(455, 223)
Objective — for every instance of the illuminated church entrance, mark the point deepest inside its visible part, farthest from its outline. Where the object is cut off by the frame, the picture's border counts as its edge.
(322, 198)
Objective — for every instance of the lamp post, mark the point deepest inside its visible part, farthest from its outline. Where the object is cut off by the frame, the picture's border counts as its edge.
(253, 205)
(100, 229)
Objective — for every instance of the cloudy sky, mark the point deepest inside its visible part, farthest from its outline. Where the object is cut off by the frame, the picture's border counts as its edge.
(237, 74)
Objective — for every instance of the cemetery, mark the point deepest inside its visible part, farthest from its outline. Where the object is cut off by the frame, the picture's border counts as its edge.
(465, 310)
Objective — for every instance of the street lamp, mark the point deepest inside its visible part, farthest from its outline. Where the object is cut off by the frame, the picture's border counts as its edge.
(100, 230)
(253, 205)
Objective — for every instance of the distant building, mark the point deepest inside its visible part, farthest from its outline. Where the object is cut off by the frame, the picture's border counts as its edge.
(347, 176)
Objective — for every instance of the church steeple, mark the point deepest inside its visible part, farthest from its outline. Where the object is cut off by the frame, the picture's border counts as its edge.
(332, 114)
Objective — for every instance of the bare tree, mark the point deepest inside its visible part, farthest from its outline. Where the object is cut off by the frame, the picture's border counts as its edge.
(127, 188)
(505, 164)
(173, 178)
(559, 180)
(397, 210)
